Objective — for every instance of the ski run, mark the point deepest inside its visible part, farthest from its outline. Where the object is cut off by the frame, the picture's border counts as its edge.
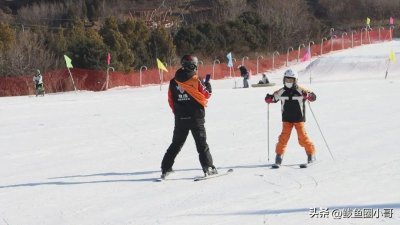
(91, 158)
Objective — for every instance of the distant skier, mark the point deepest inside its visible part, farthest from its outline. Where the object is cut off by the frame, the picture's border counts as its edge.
(245, 74)
(187, 97)
(292, 98)
(38, 80)
(264, 79)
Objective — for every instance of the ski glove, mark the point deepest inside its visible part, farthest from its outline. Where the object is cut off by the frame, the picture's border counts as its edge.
(208, 87)
(310, 96)
(269, 99)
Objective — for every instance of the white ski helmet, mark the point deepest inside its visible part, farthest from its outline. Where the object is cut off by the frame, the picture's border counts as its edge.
(290, 74)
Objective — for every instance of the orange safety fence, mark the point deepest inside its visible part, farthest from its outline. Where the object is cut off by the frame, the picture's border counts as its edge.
(92, 80)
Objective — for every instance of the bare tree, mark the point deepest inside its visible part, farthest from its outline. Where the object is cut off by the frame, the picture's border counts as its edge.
(53, 13)
(28, 53)
(350, 10)
(4, 17)
(289, 21)
(225, 10)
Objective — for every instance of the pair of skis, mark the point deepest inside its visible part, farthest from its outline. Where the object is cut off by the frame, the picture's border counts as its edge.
(301, 165)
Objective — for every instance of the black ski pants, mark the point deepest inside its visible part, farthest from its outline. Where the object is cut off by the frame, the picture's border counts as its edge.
(181, 132)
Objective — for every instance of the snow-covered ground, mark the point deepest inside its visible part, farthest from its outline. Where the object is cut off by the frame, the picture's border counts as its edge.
(91, 158)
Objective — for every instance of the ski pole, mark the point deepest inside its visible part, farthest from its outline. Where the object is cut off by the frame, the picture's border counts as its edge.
(316, 121)
(387, 70)
(268, 130)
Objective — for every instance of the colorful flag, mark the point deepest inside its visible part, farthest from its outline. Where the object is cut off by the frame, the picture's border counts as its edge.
(392, 56)
(307, 55)
(108, 59)
(368, 21)
(68, 62)
(161, 66)
(230, 62)
(391, 21)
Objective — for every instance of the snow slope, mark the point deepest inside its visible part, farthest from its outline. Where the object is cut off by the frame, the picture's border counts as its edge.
(91, 158)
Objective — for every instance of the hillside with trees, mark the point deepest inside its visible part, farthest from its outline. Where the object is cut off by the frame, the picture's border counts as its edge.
(36, 34)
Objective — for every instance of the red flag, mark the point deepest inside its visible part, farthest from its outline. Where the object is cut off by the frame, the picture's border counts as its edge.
(391, 21)
(108, 59)
(306, 56)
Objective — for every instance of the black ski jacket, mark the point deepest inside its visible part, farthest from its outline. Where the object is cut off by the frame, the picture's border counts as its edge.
(184, 106)
(293, 103)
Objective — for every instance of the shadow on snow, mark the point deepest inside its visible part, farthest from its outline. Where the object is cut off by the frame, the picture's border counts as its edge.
(112, 174)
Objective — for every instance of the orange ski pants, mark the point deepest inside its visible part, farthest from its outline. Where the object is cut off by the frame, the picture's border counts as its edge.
(304, 140)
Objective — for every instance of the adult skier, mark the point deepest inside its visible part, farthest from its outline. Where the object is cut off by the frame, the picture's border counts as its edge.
(187, 97)
(245, 74)
(264, 79)
(293, 98)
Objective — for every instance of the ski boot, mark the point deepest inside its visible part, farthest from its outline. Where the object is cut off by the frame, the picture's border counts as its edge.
(209, 171)
(165, 173)
(278, 161)
(311, 159)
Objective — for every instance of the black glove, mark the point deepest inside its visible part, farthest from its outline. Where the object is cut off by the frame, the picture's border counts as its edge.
(208, 87)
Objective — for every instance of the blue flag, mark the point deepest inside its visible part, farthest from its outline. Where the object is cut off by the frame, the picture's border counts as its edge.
(230, 63)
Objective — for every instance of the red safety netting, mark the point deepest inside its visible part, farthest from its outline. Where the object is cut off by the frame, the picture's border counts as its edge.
(84, 79)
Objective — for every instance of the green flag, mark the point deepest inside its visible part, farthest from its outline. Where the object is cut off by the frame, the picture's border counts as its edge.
(68, 62)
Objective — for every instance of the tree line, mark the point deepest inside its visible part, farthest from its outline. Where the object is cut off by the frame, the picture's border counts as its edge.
(37, 35)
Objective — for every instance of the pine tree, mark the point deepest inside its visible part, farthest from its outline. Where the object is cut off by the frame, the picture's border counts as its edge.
(124, 57)
(137, 34)
(161, 46)
(86, 48)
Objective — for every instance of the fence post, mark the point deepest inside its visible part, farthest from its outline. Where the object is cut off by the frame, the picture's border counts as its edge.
(322, 43)
(343, 34)
(287, 55)
(273, 59)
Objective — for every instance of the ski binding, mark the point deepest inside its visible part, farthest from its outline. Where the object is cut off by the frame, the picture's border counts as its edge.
(229, 171)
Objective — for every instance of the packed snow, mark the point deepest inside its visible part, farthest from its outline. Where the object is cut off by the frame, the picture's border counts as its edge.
(91, 158)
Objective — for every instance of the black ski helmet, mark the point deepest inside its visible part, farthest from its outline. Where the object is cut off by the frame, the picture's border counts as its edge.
(189, 62)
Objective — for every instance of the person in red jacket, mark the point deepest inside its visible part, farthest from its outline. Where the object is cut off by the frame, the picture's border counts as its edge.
(293, 98)
(187, 97)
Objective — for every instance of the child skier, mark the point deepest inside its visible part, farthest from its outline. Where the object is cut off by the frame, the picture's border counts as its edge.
(38, 79)
(292, 98)
(187, 97)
